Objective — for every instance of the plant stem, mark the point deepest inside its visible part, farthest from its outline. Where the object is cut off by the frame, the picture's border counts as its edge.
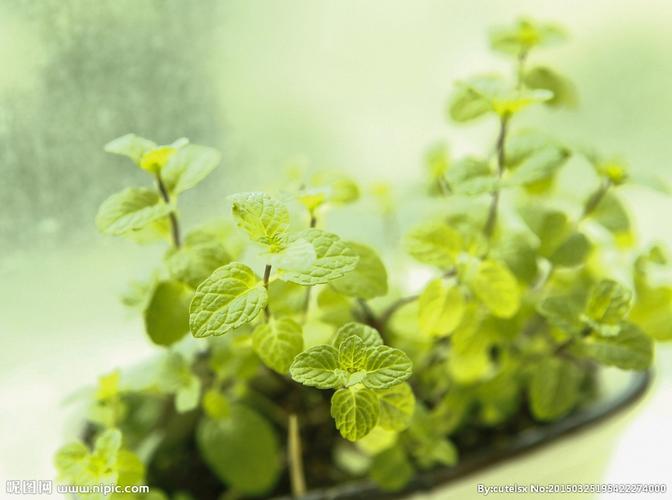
(520, 69)
(174, 224)
(490, 223)
(309, 290)
(295, 458)
(267, 276)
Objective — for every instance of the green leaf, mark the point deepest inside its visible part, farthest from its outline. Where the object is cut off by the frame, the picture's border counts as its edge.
(563, 312)
(167, 314)
(369, 336)
(630, 349)
(525, 35)
(77, 465)
(130, 469)
(551, 227)
(194, 263)
(285, 298)
(130, 210)
(242, 450)
(427, 443)
(355, 411)
(230, 297)
(187, 396)
(386, 366)
(490, 93)
(538, 166)
(265, 219)
(189, 166)
(333, 259)
(572, 252)
(435, 244)
(652, 311)
(368, 279)
(611, 214)
(278, 342)
(608, 303)
(564, 91)
(441, 308)
(520, 256)
(469, 360)
(397, 404)
(334, 308)
(391, 470)
(220, 231)
(216, 405)
(298, 255)
(497, 288)
(554, 388)
(318, 367)
(130, 145)
(352, 355)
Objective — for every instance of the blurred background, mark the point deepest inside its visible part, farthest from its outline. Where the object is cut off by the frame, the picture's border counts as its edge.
(342, 84)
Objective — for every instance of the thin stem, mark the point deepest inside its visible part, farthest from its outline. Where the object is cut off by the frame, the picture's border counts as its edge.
(309, 290)
(267, 276)
(295, 457)
(490, 223)
(174, 224)
(520, 69)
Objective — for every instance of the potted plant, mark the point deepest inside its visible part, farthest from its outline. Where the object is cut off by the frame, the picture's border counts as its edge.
(288, 365)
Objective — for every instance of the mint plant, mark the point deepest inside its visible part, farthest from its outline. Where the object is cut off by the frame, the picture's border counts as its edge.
(299, 343)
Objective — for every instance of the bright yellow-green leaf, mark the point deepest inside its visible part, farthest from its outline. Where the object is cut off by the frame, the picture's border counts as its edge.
(355, 411)
(369, 336)
(333, 259)
(377, 440)
(278, 342)
(352, 355)
(130, 145)
(469, 360)
(368, 279)
(608, 303)
(130, 210)
(630, 349)
(188, 166)
(167, 314)
(490, 93)
(441, 308)
(397, 404)
(216, 405)
(230, 297)
(298, 255)
(318, 367)
(524, 35)
(497, 288)
(386, 366)
(434, 243)
(187, 396)
(263, 218)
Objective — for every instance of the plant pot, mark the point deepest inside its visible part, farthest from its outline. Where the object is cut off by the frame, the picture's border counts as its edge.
(485, 457)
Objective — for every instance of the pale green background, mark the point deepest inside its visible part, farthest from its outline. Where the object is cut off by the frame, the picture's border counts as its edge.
(354, 85)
